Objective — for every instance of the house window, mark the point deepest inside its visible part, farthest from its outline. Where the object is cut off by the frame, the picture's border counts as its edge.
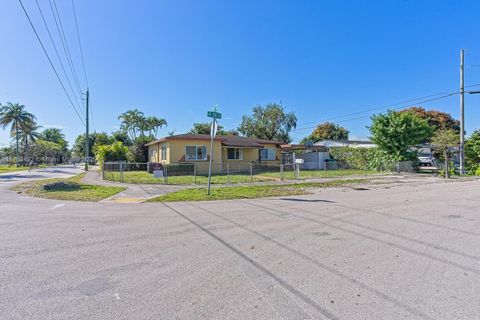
(234, 154)
(195, 153)
(164, 153)
(267, 154)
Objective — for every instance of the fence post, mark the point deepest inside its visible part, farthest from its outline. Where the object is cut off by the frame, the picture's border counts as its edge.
(194, 173)
(228, 172)
(165, 174)
(281, 171)
(251, 172)
(121, 172)
(103, 171)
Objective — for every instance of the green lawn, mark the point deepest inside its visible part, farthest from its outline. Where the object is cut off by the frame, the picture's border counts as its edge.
(147, 178)
(309, 174)
(7, 169)
(250, 192)
(67, 189)
(13, 168)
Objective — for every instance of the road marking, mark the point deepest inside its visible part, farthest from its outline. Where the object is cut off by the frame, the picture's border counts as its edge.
(57, 206)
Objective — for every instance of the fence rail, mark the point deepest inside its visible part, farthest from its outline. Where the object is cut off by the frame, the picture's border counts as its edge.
(225, 173)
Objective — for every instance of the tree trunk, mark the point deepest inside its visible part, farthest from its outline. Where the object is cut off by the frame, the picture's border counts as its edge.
(16, 139)
(447, 174)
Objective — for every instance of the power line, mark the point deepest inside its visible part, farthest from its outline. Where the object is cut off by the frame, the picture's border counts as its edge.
(58, 55)
(445, 94)
(398, 108)
(66, 49)
(50, 61)
(79, 43)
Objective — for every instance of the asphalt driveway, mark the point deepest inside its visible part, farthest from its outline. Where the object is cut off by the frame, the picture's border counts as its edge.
(392, 251)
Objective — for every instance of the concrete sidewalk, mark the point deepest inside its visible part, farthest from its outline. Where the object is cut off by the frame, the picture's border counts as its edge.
(134, 193)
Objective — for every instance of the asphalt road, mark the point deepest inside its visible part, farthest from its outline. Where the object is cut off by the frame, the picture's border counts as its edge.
(402, 251)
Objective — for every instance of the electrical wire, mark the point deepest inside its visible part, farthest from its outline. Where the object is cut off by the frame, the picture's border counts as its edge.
(79, 43)
(50, 61)
(58, 24)
(58, 55)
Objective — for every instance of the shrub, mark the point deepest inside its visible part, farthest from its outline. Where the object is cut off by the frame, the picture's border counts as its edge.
(113, 152)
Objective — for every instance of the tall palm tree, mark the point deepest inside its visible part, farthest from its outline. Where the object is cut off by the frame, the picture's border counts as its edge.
(153, 124)
(132, 121)
(29, 132)
(14, 114)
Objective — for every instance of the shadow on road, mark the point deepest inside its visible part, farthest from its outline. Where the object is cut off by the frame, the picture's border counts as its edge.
(306, 200)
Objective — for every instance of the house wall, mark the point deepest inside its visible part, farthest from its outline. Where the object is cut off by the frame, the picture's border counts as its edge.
(176, 154)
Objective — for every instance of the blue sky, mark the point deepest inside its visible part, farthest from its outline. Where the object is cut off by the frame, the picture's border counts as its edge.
(176, 59)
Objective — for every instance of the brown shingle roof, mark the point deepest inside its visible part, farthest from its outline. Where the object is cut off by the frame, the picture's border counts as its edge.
(231, 141)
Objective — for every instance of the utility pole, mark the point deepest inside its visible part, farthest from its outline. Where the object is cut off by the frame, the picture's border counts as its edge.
(87, 153)
(462, 113)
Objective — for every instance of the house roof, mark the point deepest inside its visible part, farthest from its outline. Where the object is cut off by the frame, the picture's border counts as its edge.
(230, 141)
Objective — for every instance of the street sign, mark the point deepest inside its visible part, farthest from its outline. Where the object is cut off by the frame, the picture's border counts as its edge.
(214, 115)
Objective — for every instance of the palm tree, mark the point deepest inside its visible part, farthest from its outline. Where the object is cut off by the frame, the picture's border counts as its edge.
(14, 114)
(53, 135)
(29, 132)
(132, 121)
(153, 124)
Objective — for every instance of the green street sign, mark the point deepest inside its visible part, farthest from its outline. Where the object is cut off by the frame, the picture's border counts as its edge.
(214, 115)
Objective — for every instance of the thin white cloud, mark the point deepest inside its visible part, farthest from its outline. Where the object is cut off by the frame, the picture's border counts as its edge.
(57, 126)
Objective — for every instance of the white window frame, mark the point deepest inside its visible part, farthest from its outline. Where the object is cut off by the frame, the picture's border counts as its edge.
(240, 153)
(196, 153)
(271, 154)
(163, 154)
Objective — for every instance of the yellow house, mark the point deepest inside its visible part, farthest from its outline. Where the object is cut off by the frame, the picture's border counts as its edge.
(229, 152)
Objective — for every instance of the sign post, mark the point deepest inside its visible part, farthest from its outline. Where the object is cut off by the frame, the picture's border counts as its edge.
(213, 132)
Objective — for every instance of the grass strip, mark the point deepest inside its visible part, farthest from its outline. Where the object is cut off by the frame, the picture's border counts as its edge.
(250, 192)
(67, 189)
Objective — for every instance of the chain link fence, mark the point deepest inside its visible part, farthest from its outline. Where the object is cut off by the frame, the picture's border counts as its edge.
(225, 173)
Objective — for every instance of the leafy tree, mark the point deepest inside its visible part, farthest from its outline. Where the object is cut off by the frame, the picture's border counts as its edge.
(327, 130)
(444, 140)
(122, 136)
(204, 128)
(14, 114)
(270, 122)
(437, 119)
(95, 140)
(47, 152)
(113, 152)
(395, 132)
(472, 152)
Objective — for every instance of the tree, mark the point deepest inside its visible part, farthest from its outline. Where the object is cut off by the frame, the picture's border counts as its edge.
(204, 128)
(53, 135)
(472, 152)
(135, 123)
(122, 136)
(113, 152)
(437, 119)
(270, 122)
(395, 132)
(443, 140)
(29, 132)
(14, 114)
(328, 130)
(95, 140)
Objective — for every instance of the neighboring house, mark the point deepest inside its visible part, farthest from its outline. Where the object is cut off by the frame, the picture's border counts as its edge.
(232, 152)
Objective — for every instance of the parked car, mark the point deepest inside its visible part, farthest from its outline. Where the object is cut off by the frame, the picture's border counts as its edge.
(426, 161)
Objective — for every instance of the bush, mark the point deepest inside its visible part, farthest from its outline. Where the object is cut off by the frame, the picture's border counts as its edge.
(113, 152)
(366, 159)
